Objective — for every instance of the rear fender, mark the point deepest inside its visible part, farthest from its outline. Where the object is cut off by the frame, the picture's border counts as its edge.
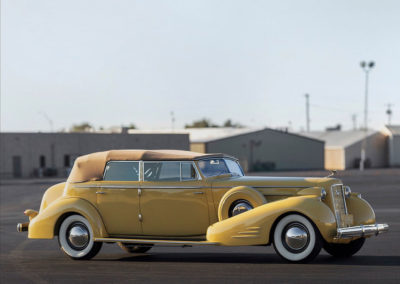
(52, 193)
(44, 224)
(253, 227)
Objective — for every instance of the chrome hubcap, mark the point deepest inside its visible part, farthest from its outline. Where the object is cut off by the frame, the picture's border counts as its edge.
(78, 236)
(240, 208)
(296, 237)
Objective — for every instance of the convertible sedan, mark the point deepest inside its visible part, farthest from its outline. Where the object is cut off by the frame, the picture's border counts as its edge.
(142, 198)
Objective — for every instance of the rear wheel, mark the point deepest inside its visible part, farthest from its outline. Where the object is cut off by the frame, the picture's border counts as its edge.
(296, 239)
(75, 238)
(134, 248)
(344, 250)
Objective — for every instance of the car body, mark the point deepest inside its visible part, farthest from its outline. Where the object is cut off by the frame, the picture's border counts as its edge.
(141, 198)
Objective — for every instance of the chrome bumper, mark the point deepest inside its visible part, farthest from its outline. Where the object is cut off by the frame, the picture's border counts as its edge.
(361, 231)
(22, 227)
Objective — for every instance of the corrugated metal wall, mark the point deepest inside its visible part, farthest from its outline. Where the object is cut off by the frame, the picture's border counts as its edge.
(272, 150)
(28, 147)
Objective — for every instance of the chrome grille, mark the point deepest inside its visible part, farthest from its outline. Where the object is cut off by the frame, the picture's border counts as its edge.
(339, 205)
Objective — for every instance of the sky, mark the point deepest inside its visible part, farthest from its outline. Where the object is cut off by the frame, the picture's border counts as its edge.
(114, 63)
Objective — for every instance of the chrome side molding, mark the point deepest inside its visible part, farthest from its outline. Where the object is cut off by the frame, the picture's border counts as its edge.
(155, 242)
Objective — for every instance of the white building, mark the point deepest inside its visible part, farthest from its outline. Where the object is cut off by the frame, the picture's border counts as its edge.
(393, 132)
(343, 148)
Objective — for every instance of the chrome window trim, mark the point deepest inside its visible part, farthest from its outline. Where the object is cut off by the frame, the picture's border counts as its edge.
(111, 186)
(180, 171)
(199, 176)
(264, 186)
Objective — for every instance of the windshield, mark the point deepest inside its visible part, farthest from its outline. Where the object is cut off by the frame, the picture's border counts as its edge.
(217, 167)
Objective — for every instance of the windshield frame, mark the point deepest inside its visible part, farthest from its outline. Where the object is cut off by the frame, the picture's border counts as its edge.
(227, 167)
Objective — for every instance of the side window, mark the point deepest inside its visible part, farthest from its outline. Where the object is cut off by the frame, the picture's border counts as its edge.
(169, 171)
(122, 171)
(188, 171)
(161, 171)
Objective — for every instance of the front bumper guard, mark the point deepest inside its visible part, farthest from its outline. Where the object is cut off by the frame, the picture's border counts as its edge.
(361, 231)
(23, 227)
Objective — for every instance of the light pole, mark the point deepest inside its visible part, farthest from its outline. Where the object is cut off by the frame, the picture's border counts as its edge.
(307, 112)
(366, 68)
(172, 121)
(389, 113)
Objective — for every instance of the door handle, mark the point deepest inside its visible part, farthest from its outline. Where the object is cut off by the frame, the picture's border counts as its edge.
(100, 192)
(198, 192)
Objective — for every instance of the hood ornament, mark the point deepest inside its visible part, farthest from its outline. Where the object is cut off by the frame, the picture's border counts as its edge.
(332, 173)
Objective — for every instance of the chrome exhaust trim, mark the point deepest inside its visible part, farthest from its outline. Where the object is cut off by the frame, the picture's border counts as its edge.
(362, 231)
(22, 227)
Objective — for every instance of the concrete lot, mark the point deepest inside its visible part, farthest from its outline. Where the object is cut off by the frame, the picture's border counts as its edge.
(41, 261)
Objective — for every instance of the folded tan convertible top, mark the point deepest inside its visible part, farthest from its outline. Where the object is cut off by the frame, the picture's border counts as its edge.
(91, 166)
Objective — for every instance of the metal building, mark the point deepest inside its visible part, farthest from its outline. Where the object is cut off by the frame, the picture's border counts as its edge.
(393, 132)
(261, 150)
(53, 154)
(343, 148)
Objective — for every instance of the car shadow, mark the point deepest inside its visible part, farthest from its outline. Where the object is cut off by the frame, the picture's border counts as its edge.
(243, 258)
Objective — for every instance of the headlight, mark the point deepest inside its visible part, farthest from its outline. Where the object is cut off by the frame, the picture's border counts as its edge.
(323, 194)
(347, 191)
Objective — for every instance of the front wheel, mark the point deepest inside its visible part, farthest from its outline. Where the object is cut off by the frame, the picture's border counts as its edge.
(344, 250)
(76, 238)
(296, 239)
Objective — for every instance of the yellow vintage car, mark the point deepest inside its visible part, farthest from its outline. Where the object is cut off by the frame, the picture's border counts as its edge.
(141, 198)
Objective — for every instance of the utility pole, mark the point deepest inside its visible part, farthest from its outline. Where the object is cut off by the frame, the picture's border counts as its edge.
(172, 120)
(354, 119)
(389, 113)
(367, 67)
(307, 112)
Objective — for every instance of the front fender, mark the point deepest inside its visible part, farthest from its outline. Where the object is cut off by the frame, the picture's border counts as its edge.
(253, 227)
(43, 225)
(362, 212)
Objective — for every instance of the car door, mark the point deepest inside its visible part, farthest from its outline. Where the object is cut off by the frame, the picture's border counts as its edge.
(118, 198)
(173, 201)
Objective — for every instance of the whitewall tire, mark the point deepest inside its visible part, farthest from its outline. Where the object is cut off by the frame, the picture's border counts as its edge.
(76, 238)
(296, 239)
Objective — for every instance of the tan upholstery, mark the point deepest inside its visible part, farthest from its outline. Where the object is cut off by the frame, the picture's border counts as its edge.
(91, 166)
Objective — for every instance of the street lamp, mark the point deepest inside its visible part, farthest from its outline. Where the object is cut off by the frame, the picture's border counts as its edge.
(366, 68)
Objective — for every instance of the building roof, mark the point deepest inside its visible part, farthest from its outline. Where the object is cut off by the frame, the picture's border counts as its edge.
(208, 134)
(91, 166)
(394, 129)
(339, 138)
(199, 135)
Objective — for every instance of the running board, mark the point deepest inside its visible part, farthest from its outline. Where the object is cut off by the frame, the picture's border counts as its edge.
(155, 242)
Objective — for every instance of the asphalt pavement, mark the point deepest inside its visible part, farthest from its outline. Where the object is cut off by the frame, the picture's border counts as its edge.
(41, 261)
